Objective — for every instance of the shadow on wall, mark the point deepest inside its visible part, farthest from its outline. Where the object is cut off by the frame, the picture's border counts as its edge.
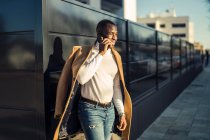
(51, 77)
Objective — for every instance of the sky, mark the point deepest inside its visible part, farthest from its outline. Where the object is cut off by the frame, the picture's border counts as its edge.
(197, 10)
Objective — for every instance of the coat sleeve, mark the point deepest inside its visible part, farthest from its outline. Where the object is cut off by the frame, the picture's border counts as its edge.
(62, 86)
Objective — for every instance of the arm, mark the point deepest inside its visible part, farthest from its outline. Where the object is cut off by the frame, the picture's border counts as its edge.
(118, 102)
(117, 97)
(89, 68)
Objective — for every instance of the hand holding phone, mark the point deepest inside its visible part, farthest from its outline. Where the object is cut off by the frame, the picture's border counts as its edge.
(104, 44)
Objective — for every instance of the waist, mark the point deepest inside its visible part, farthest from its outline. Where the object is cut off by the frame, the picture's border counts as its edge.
(97, 92)
(104, 105)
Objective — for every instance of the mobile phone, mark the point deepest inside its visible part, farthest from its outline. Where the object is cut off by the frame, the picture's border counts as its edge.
(101, 38)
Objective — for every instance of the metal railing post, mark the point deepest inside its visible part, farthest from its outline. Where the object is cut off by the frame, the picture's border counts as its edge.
(156, 57)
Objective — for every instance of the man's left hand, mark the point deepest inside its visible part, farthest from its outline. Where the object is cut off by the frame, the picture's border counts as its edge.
(122, 124)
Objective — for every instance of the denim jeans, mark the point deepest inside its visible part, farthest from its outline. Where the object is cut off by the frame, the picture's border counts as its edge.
(96, 121)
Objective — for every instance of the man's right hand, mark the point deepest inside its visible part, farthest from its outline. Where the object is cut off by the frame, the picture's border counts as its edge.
(104, 45)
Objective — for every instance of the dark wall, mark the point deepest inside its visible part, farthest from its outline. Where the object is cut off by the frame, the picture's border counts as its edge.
(21, 84)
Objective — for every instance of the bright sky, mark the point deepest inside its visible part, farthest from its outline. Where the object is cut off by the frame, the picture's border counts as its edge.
(197, 10)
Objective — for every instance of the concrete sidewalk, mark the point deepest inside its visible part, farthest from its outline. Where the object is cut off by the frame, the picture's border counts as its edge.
(188, 117)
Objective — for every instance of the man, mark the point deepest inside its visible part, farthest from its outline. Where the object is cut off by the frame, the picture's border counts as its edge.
(98, 71)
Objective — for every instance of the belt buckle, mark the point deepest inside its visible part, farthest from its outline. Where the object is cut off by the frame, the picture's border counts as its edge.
(104, 105)
(107, 105)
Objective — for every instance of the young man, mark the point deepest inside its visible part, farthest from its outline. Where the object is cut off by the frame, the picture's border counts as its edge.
(99, 71)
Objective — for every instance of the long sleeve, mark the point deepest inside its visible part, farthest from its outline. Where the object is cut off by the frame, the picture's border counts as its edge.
(89, 68)
(117, 97)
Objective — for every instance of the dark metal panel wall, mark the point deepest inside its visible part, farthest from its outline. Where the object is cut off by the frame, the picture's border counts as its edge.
(72, 17)
(17, 60)
(21, 98)
(17, 15)
(18, 124)
(18, 94)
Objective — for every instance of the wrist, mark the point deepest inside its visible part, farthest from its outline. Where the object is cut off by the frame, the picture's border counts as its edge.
(121, 115)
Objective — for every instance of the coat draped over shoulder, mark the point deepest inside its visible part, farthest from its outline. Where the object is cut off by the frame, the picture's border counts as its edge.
(68, 78)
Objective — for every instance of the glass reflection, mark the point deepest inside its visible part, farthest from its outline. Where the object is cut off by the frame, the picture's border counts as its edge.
(141, 60)
(144, 34)
(183, 55)
(164, 57)
(176, 63)
(142, 68)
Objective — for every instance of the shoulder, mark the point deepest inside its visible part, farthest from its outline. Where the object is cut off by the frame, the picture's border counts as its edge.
(75, 48)
(82, 48)
(117, 54)
(81, 51)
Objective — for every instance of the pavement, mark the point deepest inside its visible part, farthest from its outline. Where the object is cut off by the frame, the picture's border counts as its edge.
(187, 117)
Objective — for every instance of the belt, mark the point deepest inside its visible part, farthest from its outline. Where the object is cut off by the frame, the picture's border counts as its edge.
(104, 105)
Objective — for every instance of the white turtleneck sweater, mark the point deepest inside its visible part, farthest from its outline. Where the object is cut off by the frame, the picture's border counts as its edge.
(99, 79)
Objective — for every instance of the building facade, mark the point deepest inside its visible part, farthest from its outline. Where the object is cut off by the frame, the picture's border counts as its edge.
(122, 8)
(169, 23)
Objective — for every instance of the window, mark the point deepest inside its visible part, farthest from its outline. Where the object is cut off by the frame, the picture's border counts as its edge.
(178, 25)
(179, 35)
(162, 25)
(151, 25)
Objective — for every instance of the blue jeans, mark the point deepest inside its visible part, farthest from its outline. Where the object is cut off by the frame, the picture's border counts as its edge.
(96, 121)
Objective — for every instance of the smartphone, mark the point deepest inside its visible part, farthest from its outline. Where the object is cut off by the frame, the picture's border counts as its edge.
(101, 38)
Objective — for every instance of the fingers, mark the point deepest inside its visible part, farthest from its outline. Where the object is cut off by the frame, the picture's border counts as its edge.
(122, 125)
(104, 45)
(107, 41)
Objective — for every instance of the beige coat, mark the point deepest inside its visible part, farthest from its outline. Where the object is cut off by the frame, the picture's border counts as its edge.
(70, 72)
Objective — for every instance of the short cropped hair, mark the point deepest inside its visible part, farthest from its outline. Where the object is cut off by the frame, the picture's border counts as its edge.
(102, 24)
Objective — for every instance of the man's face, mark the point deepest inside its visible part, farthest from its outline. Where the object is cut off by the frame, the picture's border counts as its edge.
(110, 32)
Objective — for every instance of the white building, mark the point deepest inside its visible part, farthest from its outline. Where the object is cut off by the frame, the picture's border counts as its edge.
(122, 8)
(169, 23)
